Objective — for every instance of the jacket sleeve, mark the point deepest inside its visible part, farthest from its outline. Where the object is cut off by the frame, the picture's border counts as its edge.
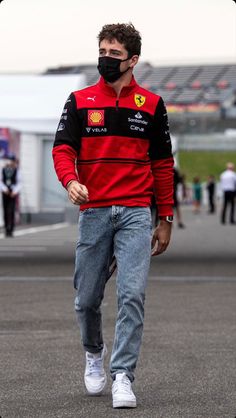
(162, 161)
(67, 143)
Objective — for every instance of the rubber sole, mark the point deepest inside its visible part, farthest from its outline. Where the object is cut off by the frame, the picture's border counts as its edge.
(124, 404)
(99, 393)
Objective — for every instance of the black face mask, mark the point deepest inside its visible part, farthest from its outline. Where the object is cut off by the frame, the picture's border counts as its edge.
(109, 68)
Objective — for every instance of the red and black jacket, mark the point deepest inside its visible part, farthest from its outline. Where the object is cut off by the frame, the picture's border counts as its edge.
(119, 148)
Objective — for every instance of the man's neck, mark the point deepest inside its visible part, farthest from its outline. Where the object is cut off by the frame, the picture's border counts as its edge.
(122, 82)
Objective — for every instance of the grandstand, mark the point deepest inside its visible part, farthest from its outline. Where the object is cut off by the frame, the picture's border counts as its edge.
(198, 97)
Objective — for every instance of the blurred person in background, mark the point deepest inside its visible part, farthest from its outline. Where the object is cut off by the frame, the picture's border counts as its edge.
(228, 187)
(111, 148)
(177, 181)
(10, 188)
(211, 187)
(197, 194)
(184, 189)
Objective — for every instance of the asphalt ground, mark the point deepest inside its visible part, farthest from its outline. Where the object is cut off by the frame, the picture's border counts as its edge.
(187, 365)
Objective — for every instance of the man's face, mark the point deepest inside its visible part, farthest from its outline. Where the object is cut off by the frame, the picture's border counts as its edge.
(115, 50)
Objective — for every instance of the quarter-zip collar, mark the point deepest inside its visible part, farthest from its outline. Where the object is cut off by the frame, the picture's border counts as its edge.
(109, 91)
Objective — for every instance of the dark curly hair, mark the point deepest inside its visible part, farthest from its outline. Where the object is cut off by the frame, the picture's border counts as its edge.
(124, 33)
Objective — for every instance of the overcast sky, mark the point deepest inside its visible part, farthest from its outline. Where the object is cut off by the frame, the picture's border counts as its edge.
(38, 34)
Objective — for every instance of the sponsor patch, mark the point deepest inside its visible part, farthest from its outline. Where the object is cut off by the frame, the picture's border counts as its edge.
(96, 130)
(143, 122)
(61, 127)
(95, 117)
(136, 128)
(139, 100)
(91, 98)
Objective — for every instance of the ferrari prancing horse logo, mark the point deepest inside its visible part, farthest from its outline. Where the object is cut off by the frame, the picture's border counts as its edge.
(139, 100)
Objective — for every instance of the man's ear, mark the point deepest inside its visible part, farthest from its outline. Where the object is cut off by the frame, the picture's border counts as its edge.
(134, 60)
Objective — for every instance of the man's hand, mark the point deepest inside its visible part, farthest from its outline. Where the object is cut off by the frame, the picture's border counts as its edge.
(161, 237)
(78, 193)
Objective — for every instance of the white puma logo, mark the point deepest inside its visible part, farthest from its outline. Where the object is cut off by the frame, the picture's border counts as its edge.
(91, 98)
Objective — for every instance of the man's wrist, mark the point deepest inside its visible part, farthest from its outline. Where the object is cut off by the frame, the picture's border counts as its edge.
(68, 184)
(168, 218)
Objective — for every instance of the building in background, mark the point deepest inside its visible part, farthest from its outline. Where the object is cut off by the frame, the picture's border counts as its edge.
(30, 109)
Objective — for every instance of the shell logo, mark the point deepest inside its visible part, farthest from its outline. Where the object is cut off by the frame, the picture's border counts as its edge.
(95, 117)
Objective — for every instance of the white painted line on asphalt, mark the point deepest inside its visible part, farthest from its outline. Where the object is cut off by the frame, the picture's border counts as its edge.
(35, 279)
(13, 254)
(22, 248)
(13, 333)
(35, 229)
(162, 279)
(193, 278)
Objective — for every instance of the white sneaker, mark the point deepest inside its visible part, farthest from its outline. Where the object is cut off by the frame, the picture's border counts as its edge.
(122, 394)
(95, 378)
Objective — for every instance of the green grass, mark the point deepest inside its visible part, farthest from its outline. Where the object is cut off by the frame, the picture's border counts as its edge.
(203, 163)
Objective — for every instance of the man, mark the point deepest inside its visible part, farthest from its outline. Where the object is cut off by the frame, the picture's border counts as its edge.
(111, 148)
(177, 180)
(210, 186)
(10, 187)
(228, 186)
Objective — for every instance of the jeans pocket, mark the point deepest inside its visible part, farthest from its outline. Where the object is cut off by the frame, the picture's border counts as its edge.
(86, 212)
(145, 217)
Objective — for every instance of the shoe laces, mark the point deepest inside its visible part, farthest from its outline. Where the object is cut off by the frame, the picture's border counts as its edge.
(123, 384)
(95, 365)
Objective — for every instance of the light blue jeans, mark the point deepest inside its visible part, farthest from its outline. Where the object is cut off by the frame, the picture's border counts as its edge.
(126, 232)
